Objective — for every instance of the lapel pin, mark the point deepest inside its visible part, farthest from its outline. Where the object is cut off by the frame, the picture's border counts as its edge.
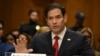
(68, 39)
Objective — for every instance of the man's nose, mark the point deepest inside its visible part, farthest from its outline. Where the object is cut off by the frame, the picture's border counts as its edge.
(54, 21)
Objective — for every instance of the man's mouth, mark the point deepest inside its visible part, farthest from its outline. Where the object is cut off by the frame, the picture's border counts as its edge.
(55, 27)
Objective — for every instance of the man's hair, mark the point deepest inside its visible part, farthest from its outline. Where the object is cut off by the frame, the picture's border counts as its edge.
(1, 22)
(32, 10)
(53, 6)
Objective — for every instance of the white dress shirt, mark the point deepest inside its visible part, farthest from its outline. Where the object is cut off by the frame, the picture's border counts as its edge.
(61, 36)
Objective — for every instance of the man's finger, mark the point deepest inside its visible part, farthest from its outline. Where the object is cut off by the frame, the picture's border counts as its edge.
(17, 41)
(14, 44)
(30, 50)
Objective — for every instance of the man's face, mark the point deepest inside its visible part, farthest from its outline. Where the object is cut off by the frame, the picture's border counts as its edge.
(1, 30)
(34, 16)
(55, 20)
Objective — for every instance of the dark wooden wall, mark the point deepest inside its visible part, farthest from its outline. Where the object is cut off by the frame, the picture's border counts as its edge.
(14, 12)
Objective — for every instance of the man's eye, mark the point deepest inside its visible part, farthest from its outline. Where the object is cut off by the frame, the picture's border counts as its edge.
(58, 16)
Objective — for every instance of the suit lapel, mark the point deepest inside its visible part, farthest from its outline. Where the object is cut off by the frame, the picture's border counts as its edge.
(65, 42)
(49, 43)
(49, 39)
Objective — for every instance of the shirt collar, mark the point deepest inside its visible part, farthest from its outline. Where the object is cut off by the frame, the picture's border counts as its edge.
(61, 35)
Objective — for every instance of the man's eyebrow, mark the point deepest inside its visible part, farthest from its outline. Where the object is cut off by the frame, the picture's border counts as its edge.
(58, 15)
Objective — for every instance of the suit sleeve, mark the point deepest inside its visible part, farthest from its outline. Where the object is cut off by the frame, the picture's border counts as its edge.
(32, 44)
(85, 49)
(21, 28)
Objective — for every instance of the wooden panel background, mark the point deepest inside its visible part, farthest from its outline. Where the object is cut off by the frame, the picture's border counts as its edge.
(14, 12)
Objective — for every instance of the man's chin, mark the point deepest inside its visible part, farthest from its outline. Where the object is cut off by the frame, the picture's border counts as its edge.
(56, 31)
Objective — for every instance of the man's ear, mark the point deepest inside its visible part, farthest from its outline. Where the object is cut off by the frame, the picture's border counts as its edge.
(65, 18)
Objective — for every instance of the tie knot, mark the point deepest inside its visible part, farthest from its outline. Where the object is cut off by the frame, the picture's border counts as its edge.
(56, 37)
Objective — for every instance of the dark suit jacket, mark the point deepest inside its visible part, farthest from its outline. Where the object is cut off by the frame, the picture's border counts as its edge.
(28, 28)
(77, 46)
(5, 48)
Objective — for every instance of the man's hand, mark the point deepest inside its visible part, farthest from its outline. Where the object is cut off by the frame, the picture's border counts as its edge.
(21, 46)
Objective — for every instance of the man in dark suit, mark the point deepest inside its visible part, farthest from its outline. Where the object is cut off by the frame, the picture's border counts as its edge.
(30, 27)
(80, 17)
(60, 41)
